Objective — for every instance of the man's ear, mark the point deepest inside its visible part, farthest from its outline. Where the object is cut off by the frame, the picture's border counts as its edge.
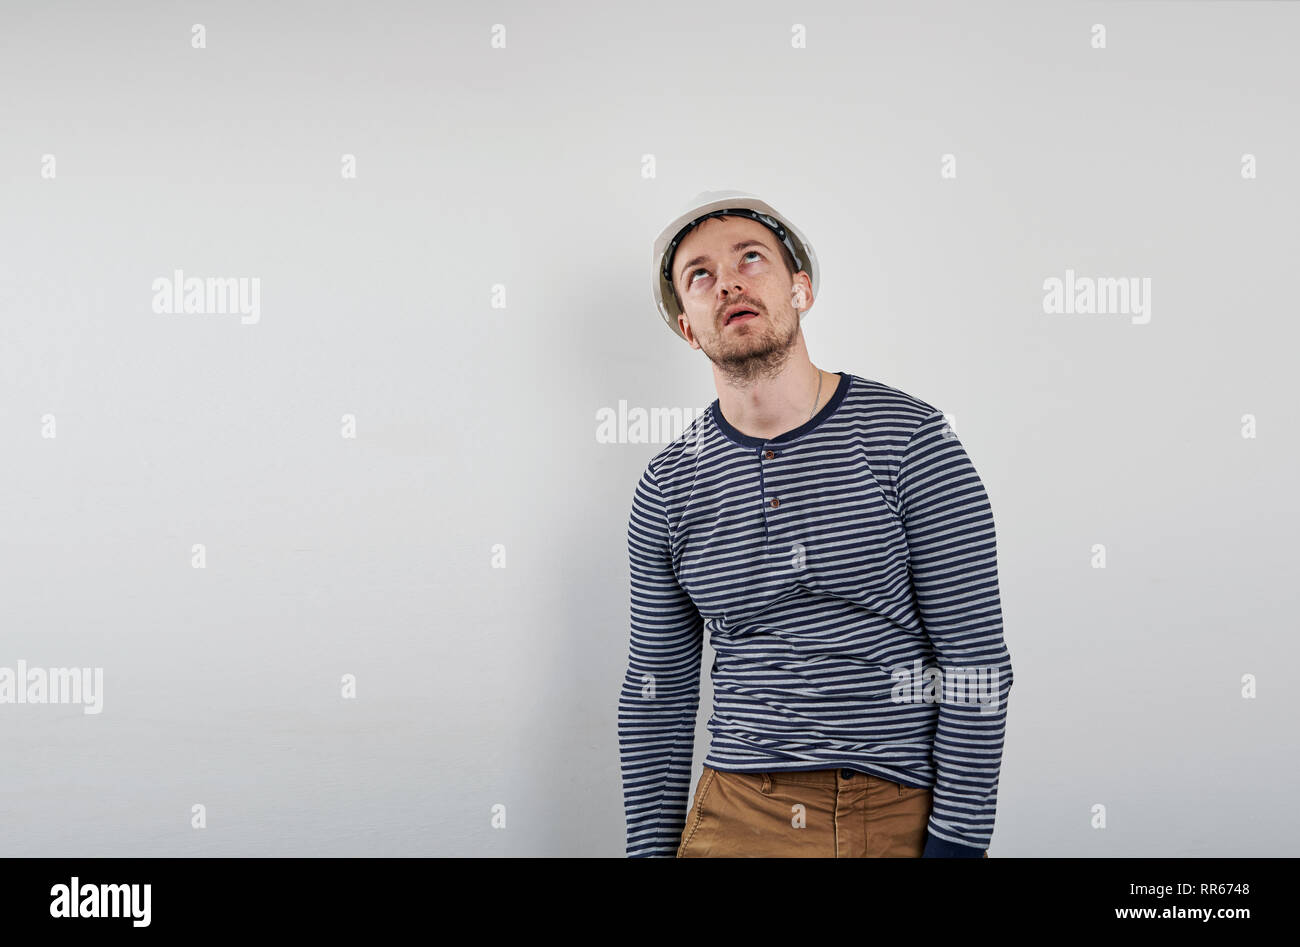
(686, 330)
(802, 300)
(799, 296)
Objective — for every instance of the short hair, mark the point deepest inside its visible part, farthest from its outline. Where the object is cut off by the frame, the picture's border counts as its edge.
(786, 257)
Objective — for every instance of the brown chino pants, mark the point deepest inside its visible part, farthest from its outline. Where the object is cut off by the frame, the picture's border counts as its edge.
(826, 813)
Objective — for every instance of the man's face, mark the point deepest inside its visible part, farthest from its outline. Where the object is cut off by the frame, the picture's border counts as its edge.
(729, 262)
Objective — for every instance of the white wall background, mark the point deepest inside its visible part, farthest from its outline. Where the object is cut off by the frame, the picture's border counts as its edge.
(523, 167)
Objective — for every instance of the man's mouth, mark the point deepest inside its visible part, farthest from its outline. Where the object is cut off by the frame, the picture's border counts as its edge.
(740, 315)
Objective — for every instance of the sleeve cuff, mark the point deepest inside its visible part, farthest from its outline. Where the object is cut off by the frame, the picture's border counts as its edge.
(936, 847)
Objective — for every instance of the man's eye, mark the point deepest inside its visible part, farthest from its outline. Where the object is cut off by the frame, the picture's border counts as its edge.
(691, 277)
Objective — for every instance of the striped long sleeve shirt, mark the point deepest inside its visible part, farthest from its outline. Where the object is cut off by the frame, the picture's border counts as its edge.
(846, 574)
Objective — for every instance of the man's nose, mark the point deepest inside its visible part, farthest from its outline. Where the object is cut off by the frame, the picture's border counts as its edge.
(730, 281)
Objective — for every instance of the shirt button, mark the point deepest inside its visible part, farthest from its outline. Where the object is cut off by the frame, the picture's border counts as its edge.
(775, 503)
(768, 454)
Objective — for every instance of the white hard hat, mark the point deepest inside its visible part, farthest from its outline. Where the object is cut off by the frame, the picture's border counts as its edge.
(718, 204)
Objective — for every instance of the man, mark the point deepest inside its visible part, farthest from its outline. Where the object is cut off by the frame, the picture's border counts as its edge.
(831, 534)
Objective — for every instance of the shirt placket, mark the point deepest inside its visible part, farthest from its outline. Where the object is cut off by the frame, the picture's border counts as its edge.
(770, 501)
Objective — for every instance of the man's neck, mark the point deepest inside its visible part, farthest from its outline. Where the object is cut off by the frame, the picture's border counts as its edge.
(767, 407)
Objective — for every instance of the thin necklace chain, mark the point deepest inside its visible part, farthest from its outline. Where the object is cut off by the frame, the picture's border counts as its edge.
(819, 394)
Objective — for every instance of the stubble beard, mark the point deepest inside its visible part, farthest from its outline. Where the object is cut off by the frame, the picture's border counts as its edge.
(749, 356)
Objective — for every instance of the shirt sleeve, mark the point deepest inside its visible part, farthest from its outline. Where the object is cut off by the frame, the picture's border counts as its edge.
(953, 550)
(661, 689)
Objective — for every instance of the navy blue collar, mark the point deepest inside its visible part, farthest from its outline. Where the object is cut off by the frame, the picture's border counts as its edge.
(745, 440)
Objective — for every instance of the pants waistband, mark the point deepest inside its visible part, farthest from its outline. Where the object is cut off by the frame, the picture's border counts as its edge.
(813, 777)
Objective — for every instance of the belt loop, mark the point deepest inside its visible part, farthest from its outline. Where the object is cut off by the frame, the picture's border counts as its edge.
(767, 783)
